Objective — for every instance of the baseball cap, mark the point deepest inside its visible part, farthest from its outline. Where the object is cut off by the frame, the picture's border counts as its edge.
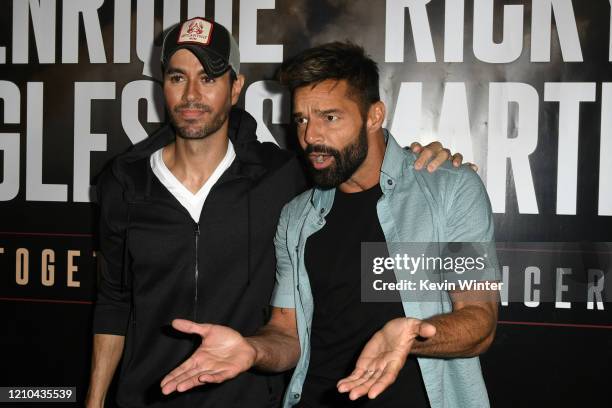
(210, 42)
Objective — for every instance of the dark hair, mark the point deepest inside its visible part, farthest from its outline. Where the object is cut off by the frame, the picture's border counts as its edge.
(335, 60)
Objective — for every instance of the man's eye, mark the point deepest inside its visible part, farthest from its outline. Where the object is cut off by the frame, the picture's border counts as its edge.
(300, 121)
(176, 78)
(208, 80)
(331, 118)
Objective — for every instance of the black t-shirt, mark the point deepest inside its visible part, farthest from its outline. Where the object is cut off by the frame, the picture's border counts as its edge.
(342, 324)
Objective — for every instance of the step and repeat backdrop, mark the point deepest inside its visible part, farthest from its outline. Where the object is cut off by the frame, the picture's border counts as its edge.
(523, 88)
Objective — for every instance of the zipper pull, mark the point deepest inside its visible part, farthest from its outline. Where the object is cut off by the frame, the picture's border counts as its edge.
(197, 229)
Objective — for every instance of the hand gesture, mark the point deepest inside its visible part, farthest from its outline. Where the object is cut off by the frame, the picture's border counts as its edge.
(223, 355)
(383, 357)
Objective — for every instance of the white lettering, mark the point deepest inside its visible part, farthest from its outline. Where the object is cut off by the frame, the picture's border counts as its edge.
(595, 289)
(421, 32)
(532, 276)
(70, 30)
(605, 152)
(565, 23)
(43, 26)
(122, 36)
(569, 95)
(9, 142)
(35, 189)
(504, 287)
(453, 30)
(132, 93)
(485, 49)
(561, 288)
(250, 51)
(517, 145)
(84, 141)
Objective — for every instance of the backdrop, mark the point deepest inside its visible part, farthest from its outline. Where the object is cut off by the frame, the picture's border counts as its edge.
(522, 88)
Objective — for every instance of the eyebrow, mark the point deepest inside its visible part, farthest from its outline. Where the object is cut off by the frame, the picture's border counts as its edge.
(175, 70)
(319, 112)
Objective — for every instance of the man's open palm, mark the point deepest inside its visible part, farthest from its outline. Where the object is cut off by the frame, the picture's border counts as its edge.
(383, 357)
(223, 355)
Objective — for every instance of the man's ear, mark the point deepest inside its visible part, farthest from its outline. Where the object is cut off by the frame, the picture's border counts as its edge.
(376, 116)
(237, 88)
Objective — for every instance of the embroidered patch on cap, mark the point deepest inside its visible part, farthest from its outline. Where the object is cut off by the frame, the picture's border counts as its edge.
(196, 31)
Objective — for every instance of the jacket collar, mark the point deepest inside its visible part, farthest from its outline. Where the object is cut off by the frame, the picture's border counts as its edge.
(393, 168)
(252, 157)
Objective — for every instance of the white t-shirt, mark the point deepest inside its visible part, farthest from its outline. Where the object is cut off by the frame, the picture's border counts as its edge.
(193, 203)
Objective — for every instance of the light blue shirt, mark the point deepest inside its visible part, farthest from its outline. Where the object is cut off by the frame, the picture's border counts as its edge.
(449, 205)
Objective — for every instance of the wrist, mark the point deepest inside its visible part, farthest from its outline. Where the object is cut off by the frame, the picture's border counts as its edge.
(254, 351)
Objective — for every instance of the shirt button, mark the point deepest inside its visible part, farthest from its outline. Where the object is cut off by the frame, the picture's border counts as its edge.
(390, 182)
(296, 396)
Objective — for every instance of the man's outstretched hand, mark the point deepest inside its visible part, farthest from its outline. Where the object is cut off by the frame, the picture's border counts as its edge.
(434, 154)
(383, 357)
(223, 355)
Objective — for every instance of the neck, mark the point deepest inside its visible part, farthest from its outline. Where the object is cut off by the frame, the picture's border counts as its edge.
(192, 161)
(368, 174)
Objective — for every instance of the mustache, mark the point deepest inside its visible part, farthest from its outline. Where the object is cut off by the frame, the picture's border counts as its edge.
(193, 106)
(321, 149)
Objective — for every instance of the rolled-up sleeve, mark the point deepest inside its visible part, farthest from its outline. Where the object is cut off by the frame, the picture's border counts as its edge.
(283, 294)
(113, 303)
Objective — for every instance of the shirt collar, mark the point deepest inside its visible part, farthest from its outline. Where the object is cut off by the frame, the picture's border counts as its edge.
(395, 163)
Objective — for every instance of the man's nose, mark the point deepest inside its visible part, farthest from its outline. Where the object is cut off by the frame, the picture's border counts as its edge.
(192, 91)
(312, 134)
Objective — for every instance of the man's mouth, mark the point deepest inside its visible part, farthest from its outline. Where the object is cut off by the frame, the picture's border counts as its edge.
(191, 113)
(320, 160)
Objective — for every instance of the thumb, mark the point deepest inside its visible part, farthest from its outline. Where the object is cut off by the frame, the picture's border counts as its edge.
(189, 327)
(427, 330)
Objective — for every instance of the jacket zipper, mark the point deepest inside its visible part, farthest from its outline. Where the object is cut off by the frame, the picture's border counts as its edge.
(195, 300)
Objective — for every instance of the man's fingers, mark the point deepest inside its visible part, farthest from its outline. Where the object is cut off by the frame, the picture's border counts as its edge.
(189, 327)
(193, 378)
(441, 156)
(171, 381)
(424, 157)
(177, 372)
(364, 387)
(188, 383)
(473, 166)
(214, 377)
(457, 159)
(416, 147)
(427, 330)
(356, 374)
(387, 378)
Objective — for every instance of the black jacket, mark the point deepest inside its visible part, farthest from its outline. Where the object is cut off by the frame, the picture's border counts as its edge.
(158, 264)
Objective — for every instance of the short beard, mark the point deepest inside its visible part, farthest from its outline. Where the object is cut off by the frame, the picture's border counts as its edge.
(346, 162)
(207, 129)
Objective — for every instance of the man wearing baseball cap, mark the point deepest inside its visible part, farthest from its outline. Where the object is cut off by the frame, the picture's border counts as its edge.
(187, 221)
